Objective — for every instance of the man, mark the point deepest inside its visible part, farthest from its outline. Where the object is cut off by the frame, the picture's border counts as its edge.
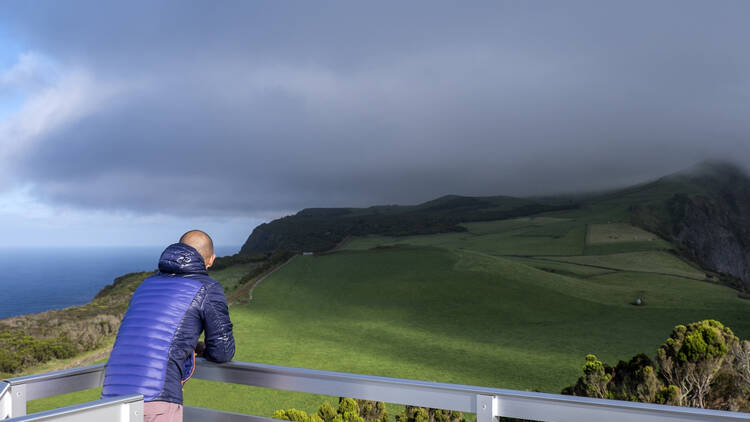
(153, 354)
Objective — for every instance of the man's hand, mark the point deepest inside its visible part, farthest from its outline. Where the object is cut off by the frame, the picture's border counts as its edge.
(200, 348)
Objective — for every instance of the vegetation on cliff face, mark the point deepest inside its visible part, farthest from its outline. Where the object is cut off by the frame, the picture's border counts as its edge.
(29, 340)
(224, 262)
(321, 229)
(19, 350)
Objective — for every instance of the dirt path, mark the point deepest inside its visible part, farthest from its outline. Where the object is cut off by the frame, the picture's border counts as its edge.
(342, 244)
(250, 286)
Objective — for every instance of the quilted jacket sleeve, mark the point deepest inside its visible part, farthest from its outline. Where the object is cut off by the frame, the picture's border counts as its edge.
(219, 338)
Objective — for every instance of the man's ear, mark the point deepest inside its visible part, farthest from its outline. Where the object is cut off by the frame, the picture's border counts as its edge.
(210, 261)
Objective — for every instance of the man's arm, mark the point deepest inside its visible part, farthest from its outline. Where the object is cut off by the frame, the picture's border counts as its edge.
(219, 337)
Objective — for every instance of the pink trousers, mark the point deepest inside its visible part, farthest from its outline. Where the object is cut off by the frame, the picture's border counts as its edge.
(162, 411)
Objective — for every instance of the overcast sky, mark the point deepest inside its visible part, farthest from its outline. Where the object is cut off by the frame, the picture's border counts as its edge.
(131, 122)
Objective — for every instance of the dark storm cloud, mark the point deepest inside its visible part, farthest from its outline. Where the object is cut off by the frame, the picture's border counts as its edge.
(262, 107)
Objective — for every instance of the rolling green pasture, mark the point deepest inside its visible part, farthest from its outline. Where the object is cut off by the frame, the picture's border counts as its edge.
(617, 233)
(522, 236)
(612, 238)
(656, 262)
(453, 316)
(510, 304)
(550, 265)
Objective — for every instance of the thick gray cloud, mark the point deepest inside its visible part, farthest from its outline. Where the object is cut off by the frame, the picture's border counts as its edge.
(262, 107)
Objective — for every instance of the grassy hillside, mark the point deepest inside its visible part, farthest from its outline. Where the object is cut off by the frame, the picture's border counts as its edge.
(473, 308)
(514, 303)
(322, 229)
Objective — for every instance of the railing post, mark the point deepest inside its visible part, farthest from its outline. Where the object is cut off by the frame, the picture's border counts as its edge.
(18, 400)
(133, 411)
(486, 408)
(6, 404)
(12, 400)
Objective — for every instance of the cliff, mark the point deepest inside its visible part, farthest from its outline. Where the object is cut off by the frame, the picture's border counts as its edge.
(709, 221)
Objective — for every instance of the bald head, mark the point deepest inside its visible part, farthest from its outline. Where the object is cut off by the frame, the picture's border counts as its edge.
(201, 242)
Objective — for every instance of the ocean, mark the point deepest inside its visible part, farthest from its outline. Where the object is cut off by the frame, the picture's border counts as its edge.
(39, 279)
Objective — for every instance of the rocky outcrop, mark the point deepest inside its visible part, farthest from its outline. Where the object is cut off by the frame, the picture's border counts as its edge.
(716, 234)
(711, 227)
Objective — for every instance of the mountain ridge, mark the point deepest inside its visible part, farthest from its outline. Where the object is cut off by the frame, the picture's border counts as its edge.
(321, 229)
(703, 210)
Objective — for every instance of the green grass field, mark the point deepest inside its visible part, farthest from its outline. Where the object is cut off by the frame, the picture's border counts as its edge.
(453, 316)
(523, 236)
(654, 262)
(617, 233)
(511, 304)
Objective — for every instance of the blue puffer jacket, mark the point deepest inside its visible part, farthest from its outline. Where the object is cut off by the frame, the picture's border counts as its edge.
(153, 352)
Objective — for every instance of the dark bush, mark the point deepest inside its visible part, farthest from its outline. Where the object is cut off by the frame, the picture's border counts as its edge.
(19, 351)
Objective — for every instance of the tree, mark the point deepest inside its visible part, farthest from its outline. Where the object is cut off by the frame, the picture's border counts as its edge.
(637, 380)
(692, 357)
(701, 364)
(595, 379)
(737, 378)
(741, 361)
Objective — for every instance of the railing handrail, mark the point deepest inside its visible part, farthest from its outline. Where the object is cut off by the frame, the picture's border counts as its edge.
(4, 387)
(44, 376)
(98, 410)
(484, 401)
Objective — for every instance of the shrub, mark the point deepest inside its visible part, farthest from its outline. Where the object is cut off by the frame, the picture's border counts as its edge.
(702, 364)
(349, 410)
(19, 351)
(422, 414)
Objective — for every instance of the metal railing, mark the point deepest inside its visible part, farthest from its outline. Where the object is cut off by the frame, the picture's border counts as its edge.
(487, 403)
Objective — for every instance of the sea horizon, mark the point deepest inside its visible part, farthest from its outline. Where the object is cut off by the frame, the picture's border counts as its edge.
(41, 278)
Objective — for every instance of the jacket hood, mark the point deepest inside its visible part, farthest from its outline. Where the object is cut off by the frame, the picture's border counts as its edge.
(180, 258)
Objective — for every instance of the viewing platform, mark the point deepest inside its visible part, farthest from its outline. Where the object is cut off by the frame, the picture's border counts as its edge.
(487, 403)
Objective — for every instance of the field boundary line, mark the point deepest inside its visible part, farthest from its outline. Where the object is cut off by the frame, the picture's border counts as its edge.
(559, 261)
(339, 246)
(585, 240)
(601, 267)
